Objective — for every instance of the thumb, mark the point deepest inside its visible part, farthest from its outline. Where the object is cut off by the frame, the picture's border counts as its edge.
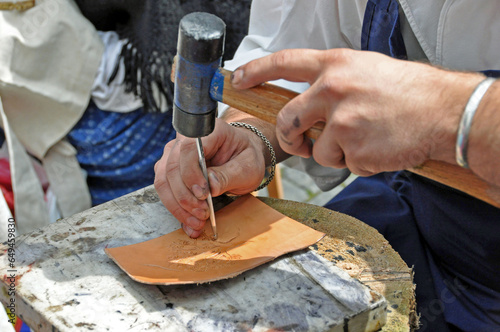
(234, 178)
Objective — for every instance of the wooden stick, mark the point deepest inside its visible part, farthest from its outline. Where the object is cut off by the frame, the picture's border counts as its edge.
(461, 179)
(263, 101)
(275, 187)
(266, 100)
(19, 5)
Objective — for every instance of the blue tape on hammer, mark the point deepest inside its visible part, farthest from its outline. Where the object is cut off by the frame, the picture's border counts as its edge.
(193, 80)
(217, 86)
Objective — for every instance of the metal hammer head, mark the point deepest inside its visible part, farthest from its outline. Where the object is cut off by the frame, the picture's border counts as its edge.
(200, 47)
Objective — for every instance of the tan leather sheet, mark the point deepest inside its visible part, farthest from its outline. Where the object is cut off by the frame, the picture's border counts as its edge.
(250, 234)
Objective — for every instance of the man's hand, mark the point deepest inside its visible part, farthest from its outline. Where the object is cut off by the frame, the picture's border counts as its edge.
(381, 114)
(235, 161)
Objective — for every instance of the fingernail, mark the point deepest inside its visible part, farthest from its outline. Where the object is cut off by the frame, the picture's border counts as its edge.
(194, 223)
(214, 181)
(200, 213)
(198, 192)
(237, 76)
(187, 230)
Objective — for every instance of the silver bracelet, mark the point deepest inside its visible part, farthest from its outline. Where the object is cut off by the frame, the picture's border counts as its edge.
(269, 146)
(466, 121)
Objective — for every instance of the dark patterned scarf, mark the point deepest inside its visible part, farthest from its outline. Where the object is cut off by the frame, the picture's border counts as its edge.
(150, 28)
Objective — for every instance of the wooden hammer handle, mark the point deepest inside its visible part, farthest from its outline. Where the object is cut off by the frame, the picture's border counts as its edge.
(263, 101)
(266, 100)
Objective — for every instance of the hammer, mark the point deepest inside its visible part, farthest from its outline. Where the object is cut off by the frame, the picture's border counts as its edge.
(200, 83)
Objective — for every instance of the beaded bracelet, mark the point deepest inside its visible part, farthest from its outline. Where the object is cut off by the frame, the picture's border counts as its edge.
(269, 146)
(466, 121)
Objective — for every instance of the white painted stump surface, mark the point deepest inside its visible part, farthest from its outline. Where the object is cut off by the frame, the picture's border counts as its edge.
(66, 282)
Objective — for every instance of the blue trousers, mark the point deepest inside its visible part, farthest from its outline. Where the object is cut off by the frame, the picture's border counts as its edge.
(451, 239)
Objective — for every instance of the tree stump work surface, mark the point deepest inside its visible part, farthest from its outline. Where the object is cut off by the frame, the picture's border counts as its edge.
(364, 253)
(65, 281)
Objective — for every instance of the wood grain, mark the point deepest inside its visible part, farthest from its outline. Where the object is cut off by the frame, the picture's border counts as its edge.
(364, 253)
(461, 179)
(266, 100)
(263, 101)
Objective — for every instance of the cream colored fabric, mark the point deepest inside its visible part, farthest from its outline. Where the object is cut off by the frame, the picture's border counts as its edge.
(66, 179)
(48, 60)
(30, 208)
(49, 56)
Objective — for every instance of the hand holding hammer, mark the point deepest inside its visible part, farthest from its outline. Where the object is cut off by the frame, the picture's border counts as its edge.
(208, 84)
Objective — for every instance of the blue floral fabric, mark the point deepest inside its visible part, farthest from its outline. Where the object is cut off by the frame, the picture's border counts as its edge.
(118, 150)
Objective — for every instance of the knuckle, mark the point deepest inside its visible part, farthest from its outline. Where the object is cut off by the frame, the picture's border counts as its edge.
(184, 201)
(168, 147)
(287, 123)
(178, 212)
(323, 159)
(360, 164)
(338, 55)
(329, 86)
(281, 59)
(160, 184)
(187, 201)
(333, 158)
(344, 54)
(282, 125)
(187, 145)
(172, 168)
(359, 170)
(288, 146)
(320, 158)
(223, 179)
(343, 124)
(355, 159)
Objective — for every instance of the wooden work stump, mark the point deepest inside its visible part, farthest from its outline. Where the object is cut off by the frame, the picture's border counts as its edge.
(362, 252)
(62, 271)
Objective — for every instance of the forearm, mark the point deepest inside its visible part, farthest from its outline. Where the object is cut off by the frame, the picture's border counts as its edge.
(267, 129)
(483, 149)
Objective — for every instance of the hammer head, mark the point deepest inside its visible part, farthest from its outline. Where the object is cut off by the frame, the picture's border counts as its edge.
(200, 47)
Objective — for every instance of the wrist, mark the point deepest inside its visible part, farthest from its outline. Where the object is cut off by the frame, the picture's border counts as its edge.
(462, 144)
(267, 129)
(457, 89)
(267, 144)
(484, 145)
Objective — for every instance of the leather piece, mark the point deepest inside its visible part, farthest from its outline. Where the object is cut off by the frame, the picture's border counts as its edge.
(250, 234)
